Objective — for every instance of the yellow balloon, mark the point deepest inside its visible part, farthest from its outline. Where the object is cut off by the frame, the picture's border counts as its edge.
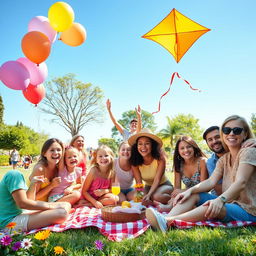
(74, 36)
(61, 16)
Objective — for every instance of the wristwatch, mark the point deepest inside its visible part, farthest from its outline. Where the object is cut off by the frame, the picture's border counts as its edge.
(223, 199)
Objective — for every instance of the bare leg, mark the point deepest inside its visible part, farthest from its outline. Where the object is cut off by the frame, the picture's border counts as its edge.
(71, 198)
(108, 199)
(130, 195)
(83, 202)
(163, 194)
(49, 217)
(162, 207)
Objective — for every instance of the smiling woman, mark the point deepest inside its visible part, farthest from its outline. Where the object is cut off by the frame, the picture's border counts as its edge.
(47, 166)
(148, 165)
(237, 168)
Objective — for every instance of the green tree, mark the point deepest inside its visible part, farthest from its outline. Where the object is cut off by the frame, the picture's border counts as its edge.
(1, 110)
(110, 142)
(182, 125)
(72, 103)
(253, 123)
(24, 139)
(148, 121)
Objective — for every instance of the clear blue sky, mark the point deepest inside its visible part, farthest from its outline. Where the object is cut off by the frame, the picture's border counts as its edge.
(132, 70)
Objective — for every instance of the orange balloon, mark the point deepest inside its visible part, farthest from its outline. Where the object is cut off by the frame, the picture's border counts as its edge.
(36, 46)
(74, 36)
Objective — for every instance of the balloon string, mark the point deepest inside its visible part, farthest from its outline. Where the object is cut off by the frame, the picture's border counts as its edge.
(172, 78)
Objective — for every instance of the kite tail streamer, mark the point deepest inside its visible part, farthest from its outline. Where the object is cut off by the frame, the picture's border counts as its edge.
(172, 78)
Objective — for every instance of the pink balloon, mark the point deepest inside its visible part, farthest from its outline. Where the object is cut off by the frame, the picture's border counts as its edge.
(38, 73)
(14, 75)
(42, 24)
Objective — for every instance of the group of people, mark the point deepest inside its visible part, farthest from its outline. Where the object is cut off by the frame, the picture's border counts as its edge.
(221, 187)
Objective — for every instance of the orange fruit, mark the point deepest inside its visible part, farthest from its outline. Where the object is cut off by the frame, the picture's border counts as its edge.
(126, 204)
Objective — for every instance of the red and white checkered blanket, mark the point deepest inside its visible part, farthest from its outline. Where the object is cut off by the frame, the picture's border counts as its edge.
(91, 217)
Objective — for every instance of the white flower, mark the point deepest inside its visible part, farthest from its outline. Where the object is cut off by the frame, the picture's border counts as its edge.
(26, 243)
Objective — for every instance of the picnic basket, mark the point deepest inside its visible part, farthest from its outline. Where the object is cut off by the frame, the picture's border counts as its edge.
(120, 217)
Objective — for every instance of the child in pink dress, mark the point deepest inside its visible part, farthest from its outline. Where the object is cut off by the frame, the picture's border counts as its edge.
(97, 185)
(70, 175)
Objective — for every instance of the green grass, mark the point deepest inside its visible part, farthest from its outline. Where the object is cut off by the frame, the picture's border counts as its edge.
(195, 241)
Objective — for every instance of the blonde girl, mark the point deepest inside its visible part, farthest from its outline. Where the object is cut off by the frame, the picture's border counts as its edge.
(97, 185)
(78, 142)
(123, 171)
(70, 174)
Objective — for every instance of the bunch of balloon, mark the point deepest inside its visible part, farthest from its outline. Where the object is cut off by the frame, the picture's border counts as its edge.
(61, 17)
(28, 73)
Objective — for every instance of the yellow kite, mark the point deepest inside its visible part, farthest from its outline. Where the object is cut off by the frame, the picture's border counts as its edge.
(176, 33)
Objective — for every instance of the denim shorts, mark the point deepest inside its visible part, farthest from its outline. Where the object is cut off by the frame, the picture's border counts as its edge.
(125, 191)
(233, 210)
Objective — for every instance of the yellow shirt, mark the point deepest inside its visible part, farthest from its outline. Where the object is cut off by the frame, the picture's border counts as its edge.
(148, 173)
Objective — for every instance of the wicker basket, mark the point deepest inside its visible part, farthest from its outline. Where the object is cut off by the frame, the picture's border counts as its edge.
(120, 217)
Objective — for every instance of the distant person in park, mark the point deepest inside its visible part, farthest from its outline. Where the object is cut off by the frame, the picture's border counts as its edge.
(189, 168)
(15, 196)
(123, 172)
(212, 138)
(237, 169)
(78, 142)
(15, 158)
(135, 124)
(71, 178)
(97, 185)
(47, 166)
(148, 165)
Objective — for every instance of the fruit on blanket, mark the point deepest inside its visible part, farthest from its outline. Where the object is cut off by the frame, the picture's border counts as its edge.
(126, 204)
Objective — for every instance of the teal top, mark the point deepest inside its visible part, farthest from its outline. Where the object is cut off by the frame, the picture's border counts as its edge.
(12, 181)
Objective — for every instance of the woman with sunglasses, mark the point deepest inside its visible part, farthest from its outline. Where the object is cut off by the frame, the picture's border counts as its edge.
(237, 168)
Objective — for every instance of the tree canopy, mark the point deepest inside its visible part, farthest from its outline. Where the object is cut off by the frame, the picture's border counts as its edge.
(253, 123)
(110, 142)
(72, 103)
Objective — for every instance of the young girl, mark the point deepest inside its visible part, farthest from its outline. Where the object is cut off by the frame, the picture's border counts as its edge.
(123, 171)
(148, 165)
(78, 142)
(97, 185)
(189, 168)
(70, 176)
(47, 167)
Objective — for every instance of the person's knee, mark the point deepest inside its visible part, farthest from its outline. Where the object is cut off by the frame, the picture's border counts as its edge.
(76, 194)
(61, 215)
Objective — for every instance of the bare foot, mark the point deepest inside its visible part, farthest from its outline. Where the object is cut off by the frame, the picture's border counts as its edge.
(162, 207)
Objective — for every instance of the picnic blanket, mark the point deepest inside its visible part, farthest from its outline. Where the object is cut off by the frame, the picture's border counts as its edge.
(91, 217)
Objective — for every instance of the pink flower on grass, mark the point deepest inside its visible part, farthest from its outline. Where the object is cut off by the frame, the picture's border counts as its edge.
(16, 246)
(99, 245)
(6, 240)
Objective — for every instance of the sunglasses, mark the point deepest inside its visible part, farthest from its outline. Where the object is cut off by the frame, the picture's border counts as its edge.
(236, 130)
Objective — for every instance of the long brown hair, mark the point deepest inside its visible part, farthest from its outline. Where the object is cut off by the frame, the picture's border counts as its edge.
(45, 147)
(177, 159)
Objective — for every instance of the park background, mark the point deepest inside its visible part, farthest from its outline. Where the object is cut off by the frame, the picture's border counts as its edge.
(131, 70)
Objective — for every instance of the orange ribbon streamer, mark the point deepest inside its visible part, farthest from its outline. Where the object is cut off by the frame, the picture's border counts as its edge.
(173, 75)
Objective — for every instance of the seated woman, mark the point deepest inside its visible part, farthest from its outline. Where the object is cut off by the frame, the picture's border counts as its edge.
(47, 166)
(238, 170)
(123, 172)
(14, 196)
(148, 165)
(189, 167)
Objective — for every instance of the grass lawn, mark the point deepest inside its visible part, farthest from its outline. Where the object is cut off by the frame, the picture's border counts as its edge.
(195, 241)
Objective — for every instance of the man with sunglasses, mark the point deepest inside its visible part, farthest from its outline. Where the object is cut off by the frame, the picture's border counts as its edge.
(212, 138)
